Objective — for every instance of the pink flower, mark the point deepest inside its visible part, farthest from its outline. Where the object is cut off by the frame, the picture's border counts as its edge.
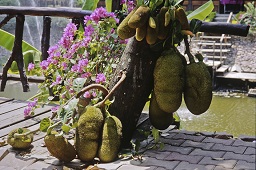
(55, 108)
(87, 95)
(100, 78)
(31, 66)
(44, 64)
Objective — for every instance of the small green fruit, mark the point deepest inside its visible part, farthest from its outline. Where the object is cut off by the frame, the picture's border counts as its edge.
(22, 142)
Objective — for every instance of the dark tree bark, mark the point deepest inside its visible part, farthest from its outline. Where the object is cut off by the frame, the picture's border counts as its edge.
(138, 60)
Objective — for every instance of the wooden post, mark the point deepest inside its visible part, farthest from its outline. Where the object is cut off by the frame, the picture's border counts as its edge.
(17, 56)
(45, 41)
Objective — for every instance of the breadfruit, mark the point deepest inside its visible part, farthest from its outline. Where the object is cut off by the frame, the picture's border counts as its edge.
(169, 80)
(88, 133)
(182, 18)
(162, 29)
(23, 142)
(158, 118)
(111, 139)
(60, 147)
(123, 30)
(198, 88)
(140, 17)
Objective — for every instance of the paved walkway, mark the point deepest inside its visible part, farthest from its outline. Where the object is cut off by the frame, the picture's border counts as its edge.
(183, 150)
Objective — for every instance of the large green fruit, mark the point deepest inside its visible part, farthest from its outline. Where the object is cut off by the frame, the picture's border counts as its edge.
(158, 118)
(88, 133)
(198, 88)
(59, 147)
(111, 139)
(20, 143)
(169, 81)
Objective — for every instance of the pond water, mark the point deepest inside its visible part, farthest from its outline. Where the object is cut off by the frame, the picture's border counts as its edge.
(234, 115)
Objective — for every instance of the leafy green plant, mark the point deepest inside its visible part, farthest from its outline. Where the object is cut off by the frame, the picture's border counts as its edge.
(249, 17)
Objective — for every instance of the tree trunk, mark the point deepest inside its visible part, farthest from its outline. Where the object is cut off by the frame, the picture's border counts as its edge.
(138, 60)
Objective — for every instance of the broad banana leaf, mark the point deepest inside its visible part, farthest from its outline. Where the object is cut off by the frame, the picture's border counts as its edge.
(7, 41)
(108, 5)
(90, 5)
(202, 12)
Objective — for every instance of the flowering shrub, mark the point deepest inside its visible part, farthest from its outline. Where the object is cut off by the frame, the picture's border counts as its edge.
(80, 58)
(249, 17)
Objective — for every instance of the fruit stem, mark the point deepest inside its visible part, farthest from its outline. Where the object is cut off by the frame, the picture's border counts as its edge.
(18, 135)
(93, 86)
(187, 51)
(102, 103)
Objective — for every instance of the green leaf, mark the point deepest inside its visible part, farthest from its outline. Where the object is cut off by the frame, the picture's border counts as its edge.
(202, 12)
(156, 136)
(195, 25)
(90, 5)
(65, 128)
(78, 84)
(7, 41)
(108, 5)
(45, 124)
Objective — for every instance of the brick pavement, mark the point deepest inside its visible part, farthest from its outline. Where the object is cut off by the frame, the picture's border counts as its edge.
(182, 150)
(185, 150)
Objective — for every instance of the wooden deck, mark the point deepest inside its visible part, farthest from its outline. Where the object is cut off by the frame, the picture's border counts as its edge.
(11, 117)
(242, 76)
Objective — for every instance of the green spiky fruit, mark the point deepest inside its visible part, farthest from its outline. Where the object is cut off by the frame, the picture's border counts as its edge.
(198, 88)
(60, 147)
(88, 133)
(111, 139)
(123, 30)
(169, 81)
(23, 142)
(158, 118)
(140, 17)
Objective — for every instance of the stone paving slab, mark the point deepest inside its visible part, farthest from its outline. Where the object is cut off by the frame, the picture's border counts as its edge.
(181, 151)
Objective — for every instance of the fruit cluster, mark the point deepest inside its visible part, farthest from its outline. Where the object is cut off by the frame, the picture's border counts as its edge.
(96, 136)
(173, 79)
(143, 24)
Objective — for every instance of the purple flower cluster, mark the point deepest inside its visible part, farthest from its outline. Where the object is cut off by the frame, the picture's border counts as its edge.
(129, 3)
(100, 78)
(31, 66)
(29, 110)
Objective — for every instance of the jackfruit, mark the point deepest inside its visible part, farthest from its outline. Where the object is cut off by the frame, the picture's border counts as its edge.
(140, 17)
(23, 142)
(88, 133)
(163, 30)
(60, 147)
(111, 139)
(169, 80)
(123, 30)
(198, 88)
(151, 36)
(158, 118)
(182, 18)
(141, 32)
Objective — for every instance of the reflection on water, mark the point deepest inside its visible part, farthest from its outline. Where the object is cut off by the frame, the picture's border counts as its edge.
(233, 115)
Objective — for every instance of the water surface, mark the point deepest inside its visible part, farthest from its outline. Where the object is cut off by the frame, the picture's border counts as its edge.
(234, 115)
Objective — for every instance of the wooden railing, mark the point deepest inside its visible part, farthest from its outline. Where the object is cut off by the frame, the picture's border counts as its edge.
(19, 13)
